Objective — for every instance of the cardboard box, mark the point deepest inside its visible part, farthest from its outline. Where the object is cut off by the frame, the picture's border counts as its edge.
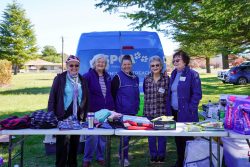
(164, 125)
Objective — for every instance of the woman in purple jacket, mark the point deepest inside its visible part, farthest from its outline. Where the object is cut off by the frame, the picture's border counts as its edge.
(68, 96)
(99, 82)
(183, 98)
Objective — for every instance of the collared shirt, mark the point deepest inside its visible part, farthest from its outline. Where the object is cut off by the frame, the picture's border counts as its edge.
(155, 95)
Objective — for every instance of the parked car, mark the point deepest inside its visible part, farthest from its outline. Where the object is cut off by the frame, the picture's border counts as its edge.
(245, 63)
(239, 74)
(223, 76)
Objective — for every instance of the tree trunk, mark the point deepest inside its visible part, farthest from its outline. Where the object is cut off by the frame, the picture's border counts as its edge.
(225, 63)
(15, 69)
(208, 65)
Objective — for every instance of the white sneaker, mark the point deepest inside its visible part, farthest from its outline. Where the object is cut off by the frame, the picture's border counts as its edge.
(126, 162)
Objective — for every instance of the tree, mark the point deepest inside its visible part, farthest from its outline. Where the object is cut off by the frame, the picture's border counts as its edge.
(49, 53)
(226, 22)
(17, 38)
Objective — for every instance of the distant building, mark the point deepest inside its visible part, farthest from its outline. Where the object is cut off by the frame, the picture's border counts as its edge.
(40, 65)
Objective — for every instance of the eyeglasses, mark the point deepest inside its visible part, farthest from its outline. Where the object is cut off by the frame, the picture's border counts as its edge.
(73, 65)
(155, 65)
(177, 61)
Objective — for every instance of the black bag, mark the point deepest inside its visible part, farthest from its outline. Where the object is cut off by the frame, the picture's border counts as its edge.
(116, 123)
(43, 120)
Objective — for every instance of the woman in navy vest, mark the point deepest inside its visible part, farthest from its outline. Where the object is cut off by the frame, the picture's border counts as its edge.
(155, 88)
(99, 82)
(68, 96)
(183, 98)
(125, 91)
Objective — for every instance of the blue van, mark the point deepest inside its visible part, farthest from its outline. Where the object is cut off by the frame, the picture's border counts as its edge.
(140, 45)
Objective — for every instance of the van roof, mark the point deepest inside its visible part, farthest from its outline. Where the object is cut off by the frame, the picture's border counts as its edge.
(118, 39)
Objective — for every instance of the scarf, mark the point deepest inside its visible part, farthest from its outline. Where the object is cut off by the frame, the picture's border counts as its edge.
(74, 81)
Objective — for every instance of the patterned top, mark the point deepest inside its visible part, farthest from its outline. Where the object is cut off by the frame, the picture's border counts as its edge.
(103, 86)
(155, 96)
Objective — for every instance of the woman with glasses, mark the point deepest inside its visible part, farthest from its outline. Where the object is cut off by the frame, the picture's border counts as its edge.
(183, 98)
(68, 96)
(99, 82)
(155, 87)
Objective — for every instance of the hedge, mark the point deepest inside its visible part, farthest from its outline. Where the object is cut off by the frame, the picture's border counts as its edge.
(5, 72)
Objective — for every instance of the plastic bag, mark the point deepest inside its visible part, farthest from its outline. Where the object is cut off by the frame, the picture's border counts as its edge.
(242, 120)
(197, 153)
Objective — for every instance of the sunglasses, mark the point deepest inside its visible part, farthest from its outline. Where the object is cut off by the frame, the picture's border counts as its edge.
(155, 65)
(73, 65)
(177, 61)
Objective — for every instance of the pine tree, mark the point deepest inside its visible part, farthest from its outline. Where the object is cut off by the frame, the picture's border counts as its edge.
(17, 37)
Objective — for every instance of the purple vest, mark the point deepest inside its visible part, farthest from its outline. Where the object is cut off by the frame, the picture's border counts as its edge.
(128, 95)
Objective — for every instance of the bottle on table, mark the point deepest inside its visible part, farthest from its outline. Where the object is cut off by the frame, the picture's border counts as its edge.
(91, 117)
(209, 109)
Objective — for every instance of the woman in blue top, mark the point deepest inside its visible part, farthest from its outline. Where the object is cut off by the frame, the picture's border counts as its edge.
(125, 91)
(183, 98)
(100, 97)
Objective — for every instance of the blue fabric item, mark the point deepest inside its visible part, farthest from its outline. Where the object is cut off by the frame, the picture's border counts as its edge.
(102, 114)
(97, 100)
(189, 95)
(68, 94)
(174, 97)
(128, 95)
(105, 125)
(94, 144)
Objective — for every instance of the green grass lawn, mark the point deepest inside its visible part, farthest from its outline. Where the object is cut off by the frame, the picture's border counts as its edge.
(29, 92)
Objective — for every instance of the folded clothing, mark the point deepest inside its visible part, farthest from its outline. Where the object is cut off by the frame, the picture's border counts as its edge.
(102, 114)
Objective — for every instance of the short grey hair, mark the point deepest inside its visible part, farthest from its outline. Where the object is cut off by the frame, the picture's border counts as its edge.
(96, 57)
(155, 58)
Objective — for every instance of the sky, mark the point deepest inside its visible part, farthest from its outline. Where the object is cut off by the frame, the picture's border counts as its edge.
(54, 19)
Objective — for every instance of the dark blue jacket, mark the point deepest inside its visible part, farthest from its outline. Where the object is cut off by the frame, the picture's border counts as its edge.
(189, 95)
(127, 99)
(96, 99)
(56, 102)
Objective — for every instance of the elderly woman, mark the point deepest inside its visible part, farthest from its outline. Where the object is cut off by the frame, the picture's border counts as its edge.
(125, 90)
(99, 83)
(68, 96)
(155, 87)
(183, 98)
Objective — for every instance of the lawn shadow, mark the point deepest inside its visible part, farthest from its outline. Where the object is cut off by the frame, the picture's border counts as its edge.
(33, 90)
(210, 79)
(19, 114)
(213, 86)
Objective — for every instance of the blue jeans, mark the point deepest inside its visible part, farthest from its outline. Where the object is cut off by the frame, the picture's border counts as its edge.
(125, 144)
(94, 144)
(157, 145)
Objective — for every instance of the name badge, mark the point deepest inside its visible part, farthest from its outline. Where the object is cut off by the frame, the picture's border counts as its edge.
(182, 78)
(161, 90)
